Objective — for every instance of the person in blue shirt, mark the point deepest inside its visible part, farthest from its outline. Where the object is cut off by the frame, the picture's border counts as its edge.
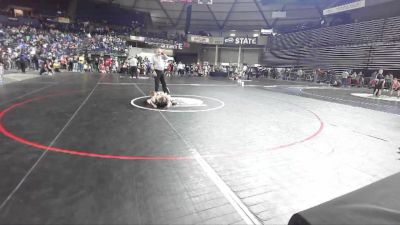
(23, 59)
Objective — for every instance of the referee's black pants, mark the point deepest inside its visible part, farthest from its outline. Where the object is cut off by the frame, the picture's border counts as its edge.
(133, 71)
(157, 79)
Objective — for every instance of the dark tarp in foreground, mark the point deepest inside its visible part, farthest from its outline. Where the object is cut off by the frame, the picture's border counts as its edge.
(375, 204)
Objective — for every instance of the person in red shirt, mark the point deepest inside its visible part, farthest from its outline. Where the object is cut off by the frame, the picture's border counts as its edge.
(170, 68)
(102, 67)
(395, 87)
(108, 64)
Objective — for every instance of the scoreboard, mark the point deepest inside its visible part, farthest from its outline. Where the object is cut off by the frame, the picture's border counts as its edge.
(200, 2)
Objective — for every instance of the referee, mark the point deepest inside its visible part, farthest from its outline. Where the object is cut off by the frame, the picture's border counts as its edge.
(158, 63)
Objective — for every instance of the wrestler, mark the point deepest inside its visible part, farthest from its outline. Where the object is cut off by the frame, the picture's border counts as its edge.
(160, 100)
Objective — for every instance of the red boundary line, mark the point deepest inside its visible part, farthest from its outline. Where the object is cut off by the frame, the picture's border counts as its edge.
(14, 137)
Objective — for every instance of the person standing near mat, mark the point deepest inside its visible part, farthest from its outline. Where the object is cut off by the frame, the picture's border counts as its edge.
(1, 68)
(395, 87)
(158, 63)
(133, 66)
(380, 83)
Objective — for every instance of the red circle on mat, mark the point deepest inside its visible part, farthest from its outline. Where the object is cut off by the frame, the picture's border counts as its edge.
(14, 137)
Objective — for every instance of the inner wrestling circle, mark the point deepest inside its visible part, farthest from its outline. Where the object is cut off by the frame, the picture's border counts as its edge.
(185, 104)
(22, 140)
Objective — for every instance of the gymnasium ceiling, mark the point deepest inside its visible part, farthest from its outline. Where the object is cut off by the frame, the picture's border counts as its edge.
(235, 14)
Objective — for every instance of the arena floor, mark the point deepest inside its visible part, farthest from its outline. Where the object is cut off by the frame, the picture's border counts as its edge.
(84, 149)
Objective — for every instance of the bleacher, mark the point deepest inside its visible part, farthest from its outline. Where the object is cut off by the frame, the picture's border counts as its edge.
(391, 30)
(364, 45)
(385, 55)
(355, 33)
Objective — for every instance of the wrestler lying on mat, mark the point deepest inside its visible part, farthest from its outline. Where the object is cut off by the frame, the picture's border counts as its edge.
(160, 100)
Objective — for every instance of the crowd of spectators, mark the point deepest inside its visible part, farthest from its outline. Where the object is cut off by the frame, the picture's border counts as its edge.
(47, 47)
(32, 46)
(172, 68)
(32, 41)
(189, 69)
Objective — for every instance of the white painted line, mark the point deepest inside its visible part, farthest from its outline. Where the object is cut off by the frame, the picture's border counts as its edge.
(253, 85)
(205, 85)
(222, 104)
(38, 82)
(11, 78)
(45, 152)
(311, 87)
(233, 199)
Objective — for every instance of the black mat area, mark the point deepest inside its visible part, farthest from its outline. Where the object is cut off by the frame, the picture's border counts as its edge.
(375, 204)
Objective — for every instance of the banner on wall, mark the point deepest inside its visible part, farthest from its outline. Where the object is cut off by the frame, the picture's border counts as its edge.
(63, 20)
(159, 43)
(216, 40)
(206, 40)
(177, 46)
(241, 41)
(199, 39)
(346, 7)
(137, 38)
(165, 44)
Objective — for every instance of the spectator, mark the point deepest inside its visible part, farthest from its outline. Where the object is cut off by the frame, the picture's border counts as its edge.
(380, 84)
(244, 70)
(181, 68)
(133, 66)
(1, 69)
(70, 64)
(360, 79)
(81, 63)
(35, 62)
(299, 74)
(345, 75)
(75, 67)
(23, 60)
(388, 81)
(395, 87)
